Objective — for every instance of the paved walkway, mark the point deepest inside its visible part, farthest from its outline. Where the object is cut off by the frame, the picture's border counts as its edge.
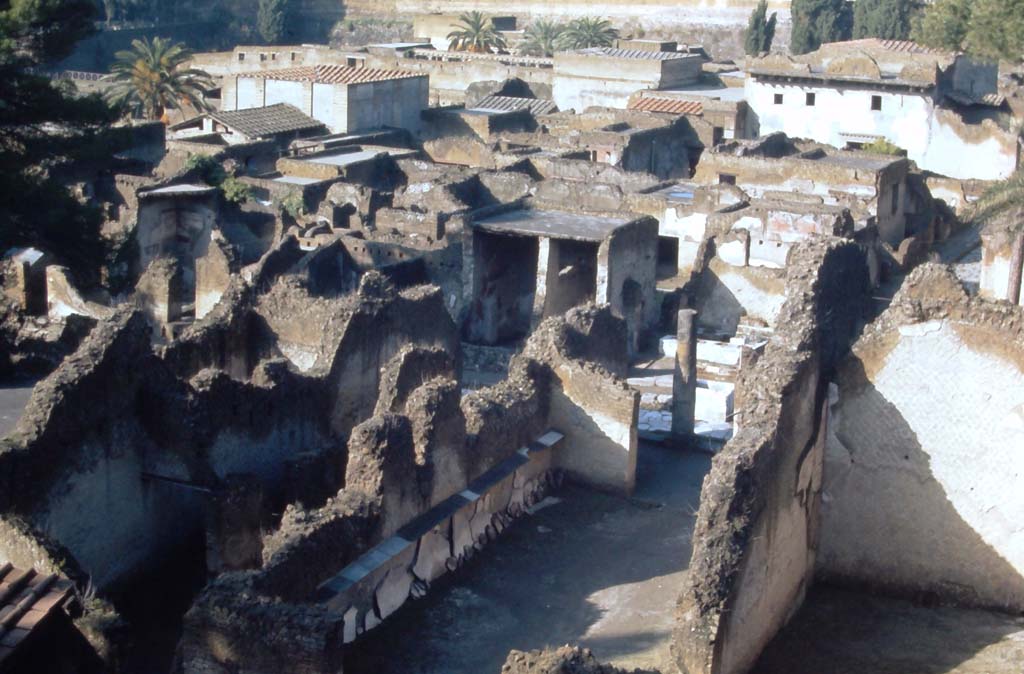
(839, 632)
(591, 569)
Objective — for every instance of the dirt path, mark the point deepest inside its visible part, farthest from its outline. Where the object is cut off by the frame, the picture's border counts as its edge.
(591, 569)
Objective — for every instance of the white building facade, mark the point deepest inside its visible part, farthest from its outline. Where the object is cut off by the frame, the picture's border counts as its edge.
(853, 98)
(346, 99)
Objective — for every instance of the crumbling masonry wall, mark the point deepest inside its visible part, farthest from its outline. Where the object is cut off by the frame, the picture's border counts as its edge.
(95, 457)
(757, 528)
(922, 477)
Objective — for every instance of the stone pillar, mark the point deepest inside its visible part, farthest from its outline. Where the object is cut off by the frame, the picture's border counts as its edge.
(684, 376)
(544, 262)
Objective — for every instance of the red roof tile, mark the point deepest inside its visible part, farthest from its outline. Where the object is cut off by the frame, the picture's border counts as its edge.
(907, 46)
(26, 598)
(332, 74)
(672, 106)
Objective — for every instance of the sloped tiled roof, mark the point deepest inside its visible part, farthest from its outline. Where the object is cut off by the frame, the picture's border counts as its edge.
(634, 53)
(332, 74)
(266, 121)
(537, 106)
(905, 46)
(673, 106)
(26, 598)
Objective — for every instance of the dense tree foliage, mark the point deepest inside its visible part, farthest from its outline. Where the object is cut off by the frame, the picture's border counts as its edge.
(996, 29)
(43, 128)
(886, 19)
(272, 19)
(760, 30)
(587, 32)
(943, 24)
(152, 77)
(816, 22)
(541, 38)
(987, 28)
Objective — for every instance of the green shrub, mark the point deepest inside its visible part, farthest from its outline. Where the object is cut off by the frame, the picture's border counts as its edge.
(883, 146)
(209, 169)
(235, 191)
(293, 204)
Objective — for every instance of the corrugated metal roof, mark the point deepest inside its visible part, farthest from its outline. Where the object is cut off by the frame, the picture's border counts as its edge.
(537, 106)
(673, 106)
(635, 53)
(332, 74)
(266, 121)
(26, 598)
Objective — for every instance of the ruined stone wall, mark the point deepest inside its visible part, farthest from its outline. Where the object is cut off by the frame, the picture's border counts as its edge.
(922, 483)
(115, 448)
(729, 291)
(590, 402)
(450, 80)
(757, 528)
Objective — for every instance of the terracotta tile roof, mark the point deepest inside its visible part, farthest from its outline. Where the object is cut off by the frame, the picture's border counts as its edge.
(26, 598)
(537, 106)
(612, 52)
(672, 106)
(266, 121)
(905, 46)
(332, 74)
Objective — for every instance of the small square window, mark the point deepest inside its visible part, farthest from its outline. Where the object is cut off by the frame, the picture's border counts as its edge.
(717, 133)
(810, 99)
(726, 179)
(876, 102)
(241, 56)
(778, 99)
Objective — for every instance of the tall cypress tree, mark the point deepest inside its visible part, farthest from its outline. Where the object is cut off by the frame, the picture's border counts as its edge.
(886, 19)
(943, 24)
(760, 31)
(271, 19)
(818, 21)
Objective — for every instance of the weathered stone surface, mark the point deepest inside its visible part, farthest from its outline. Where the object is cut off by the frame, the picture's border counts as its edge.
(563, 660)
(757, 527)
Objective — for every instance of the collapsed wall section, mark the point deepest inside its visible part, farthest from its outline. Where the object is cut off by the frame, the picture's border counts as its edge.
(922, 468)
(757, 528)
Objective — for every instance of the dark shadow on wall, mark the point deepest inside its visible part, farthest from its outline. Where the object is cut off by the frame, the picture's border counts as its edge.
(842, 632)
(888, 525)
(718, 309)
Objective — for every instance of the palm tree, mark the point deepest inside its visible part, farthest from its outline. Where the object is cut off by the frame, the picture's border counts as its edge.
(151, 78)
(1005, 199)
(541, 38)
(588, 32)
(476, 34)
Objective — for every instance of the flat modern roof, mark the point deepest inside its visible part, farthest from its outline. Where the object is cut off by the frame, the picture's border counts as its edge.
(553, 224)
(296, 180)
(343, 158)
(190, 189)
(682, 193)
